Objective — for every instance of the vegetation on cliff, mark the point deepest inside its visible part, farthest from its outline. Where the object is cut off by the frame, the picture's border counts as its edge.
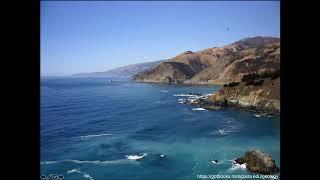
(258, 94)
(218, 65)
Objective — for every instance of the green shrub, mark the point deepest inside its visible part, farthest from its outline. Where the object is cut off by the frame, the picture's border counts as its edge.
(275, 75)
(255, 83)
(254, 76)
(232, 84)
(250, 77)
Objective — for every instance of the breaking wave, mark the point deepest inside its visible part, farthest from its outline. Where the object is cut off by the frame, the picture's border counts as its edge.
(198, 109)
(238, 166)
(120, 161)
(185, 95)
(136, 157)
(84, 174)
(93, 135)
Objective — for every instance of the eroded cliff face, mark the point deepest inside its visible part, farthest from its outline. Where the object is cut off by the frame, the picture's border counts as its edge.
(218, 65)
(264, 97)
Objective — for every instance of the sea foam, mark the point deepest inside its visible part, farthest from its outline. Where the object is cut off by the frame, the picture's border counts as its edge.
(119, 161)
(198, 109)
(135, 157)
(74, 171)
(87, 176)
(84, 174)
(257, 115)
(94, 135)
(185, 95)
(238, 166)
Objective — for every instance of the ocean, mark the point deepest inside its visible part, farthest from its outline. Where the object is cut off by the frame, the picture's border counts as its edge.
(97, 129)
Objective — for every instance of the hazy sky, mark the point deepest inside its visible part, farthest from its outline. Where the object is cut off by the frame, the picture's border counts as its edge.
(96, 36)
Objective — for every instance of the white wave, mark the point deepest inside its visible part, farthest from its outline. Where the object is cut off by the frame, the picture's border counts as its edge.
(119, 161)
(161, 155)
(185, 95)
(213, 162)
(263, 114)
(99, 162)
(49, 162)
(222, 131)
(74, 171)
(165, 91)
(266, 115)
(85, 175)
(94, 135)
(238, 166)
(194, 97)
(181, 99)
(198, 109)
(135, 157)
(181, 102)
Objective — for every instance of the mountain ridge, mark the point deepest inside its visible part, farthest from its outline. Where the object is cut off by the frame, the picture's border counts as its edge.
(122, 71)
(218, 65)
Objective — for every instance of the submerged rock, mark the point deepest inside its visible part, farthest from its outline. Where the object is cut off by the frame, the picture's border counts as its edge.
(211, 107)
(258, 161)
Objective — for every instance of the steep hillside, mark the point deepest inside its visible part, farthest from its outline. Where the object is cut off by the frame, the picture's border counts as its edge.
(218, 65)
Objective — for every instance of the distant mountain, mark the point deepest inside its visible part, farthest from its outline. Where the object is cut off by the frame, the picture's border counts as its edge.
(218, 65)
(123, 71)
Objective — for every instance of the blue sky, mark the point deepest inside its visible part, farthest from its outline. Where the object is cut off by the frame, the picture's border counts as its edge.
(83, 36)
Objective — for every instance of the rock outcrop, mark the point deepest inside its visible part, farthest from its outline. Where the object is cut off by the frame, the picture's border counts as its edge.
(218, 65)
(258, 162)
(264, 96)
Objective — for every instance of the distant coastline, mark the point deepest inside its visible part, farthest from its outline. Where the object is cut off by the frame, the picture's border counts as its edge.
(228, 66)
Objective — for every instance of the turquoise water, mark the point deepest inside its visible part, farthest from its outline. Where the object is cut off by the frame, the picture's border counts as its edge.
(89, 126)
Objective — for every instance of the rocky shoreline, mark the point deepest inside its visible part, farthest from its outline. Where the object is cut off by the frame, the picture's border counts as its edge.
(261, 96)
(256, 92)
(203, 101)
(258, 161)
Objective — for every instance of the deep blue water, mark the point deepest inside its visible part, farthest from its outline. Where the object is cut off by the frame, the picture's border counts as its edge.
(89, 125)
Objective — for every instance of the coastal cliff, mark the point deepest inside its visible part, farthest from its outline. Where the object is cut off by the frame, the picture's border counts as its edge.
(218, 65)
(248, 68)
(262, 95)
(255, 92)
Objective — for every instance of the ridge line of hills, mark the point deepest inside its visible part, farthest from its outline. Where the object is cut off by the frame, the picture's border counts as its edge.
(218, 65)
